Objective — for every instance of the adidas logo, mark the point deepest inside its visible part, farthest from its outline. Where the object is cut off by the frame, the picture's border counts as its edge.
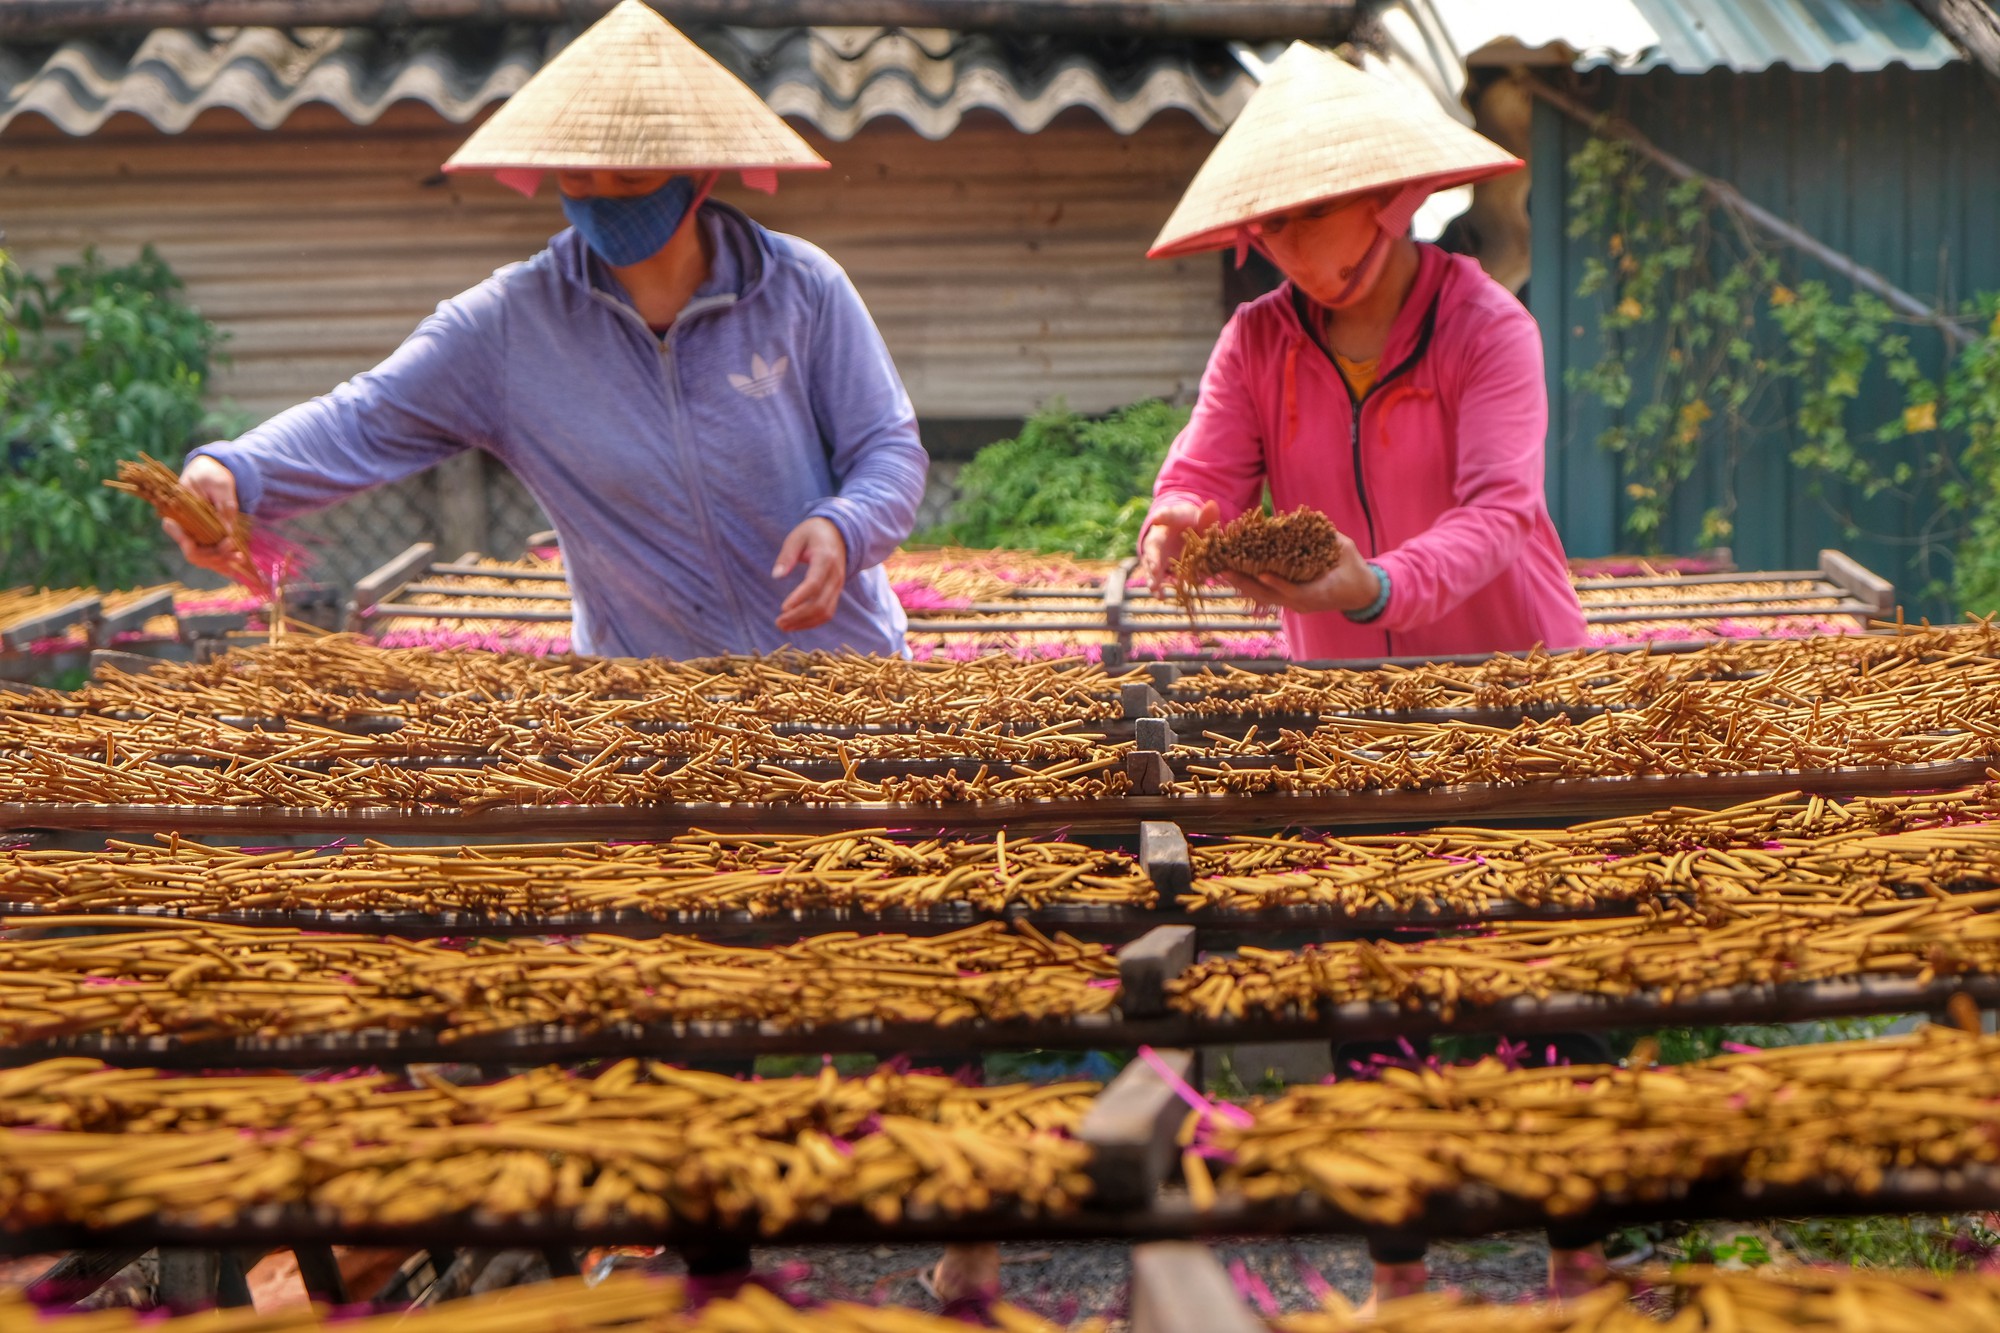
(763, 379)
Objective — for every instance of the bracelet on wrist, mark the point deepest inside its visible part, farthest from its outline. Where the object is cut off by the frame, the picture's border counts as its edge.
(1374, 609)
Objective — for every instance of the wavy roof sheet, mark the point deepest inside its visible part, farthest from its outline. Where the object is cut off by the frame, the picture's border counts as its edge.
(834, 79)
(1748, 35)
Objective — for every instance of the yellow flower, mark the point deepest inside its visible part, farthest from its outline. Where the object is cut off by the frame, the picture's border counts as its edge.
(1638, 492)
(1783, 295)
(1691, 417)
(1617, 244)
(1629, 308)
(1921, 417)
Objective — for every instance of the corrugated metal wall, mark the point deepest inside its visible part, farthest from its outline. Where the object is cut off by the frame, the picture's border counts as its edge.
(1900, 169)
(1004, 269)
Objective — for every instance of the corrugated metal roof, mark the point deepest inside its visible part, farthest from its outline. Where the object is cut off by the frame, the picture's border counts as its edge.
(1746, 35)
(835, 79)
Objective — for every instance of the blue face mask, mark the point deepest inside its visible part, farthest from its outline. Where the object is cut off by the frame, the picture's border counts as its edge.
(625, 231)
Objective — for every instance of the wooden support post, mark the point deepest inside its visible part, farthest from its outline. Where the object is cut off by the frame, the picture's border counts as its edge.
(319, 1273)
(383, 582)
(1131, 1129)
(1137, 700)
(77, 1275)
(1114, 611)
(1165, 857)
(188, 1279)
(1858, 581)
(1147, 964)
(232, 1278)
(1180, 1287)
(1146, 764)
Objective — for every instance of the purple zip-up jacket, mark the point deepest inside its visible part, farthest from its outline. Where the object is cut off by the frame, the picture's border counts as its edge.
(672, 467)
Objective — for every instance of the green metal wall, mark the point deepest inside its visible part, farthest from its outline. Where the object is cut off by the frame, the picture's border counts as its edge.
(1900, 169)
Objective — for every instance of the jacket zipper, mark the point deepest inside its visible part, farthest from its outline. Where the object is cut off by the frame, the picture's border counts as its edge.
(698, 489)
(1358, 402)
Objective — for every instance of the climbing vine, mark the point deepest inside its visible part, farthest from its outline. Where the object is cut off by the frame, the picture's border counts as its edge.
(1708, 340)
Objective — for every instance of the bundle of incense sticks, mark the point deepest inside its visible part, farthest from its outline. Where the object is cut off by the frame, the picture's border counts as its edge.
(259, 560)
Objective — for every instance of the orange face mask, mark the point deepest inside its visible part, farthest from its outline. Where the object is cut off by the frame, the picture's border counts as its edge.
(1336, 253)
(1335, 258)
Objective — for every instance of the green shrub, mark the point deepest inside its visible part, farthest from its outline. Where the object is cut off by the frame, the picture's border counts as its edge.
(96, 364)
(1065, 483)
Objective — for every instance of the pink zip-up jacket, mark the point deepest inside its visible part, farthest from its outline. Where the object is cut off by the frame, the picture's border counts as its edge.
(1439, 483)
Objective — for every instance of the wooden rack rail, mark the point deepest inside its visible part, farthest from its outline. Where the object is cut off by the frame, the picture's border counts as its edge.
(1840, 588)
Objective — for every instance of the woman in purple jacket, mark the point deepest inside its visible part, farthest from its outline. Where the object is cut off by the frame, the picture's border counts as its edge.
(703, 407)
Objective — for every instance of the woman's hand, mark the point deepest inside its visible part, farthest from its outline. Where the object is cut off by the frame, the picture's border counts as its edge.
(1349, 586)
(819, 543)
(1161, 545)
(216, 484)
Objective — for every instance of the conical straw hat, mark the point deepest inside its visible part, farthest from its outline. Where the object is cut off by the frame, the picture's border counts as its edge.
(631, 93)
(1318, 129)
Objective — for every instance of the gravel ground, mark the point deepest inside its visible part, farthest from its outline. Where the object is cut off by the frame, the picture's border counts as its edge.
(1071, 1281)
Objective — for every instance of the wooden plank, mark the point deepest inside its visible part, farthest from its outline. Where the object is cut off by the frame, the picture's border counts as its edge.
(384, 581)
(1131, 1128)
(1166, 859)
(134, 614)
(1467, 1214)
(1181, 1287)
(692, 1040)
(387, 610)
(1849, 608)
(1147, 964)
(319, 1273)
(556, 594)
(1720, 604)
(1862, 583)
(23, 633)
(489, 572)
(1539, 803)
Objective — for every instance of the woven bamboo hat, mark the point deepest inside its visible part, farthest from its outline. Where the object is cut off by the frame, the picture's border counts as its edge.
(1316, 130)
(632, 93)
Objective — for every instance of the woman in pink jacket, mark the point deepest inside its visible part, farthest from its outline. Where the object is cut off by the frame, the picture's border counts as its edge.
(1393, 387)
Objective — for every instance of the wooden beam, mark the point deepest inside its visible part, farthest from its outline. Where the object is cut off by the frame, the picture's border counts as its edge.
(1180, 1287)
(1972, 26)
(1222, 20)
(1860, 582)
(1147, 964)
(1727, 196)
(1131, 1129)
(384, 582)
